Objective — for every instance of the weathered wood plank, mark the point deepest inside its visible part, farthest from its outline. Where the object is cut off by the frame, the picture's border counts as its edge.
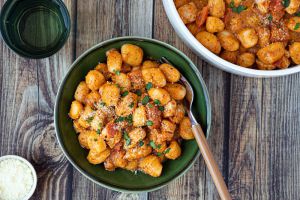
(108, 19)
(197, 183)
(277, 171)
(245, 125)
(54, 171)
(218, 84)
(27, 116)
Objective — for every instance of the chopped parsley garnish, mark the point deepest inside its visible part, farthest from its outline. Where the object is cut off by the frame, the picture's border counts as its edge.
(297, 26)
(297, 14)
(148, 86)
(156, 101)
(161, 108)
(131, 105)
(124, 94)
(237, 9)
(285, 3)
(149, 123)
(141, 143)
(102, 104)
(127, 138)
(117, 72)
(98, 131)
(270, 17)
(129, 119)
(139, 92)
(167, 150)
(89, 119)
(164, 152)
(152, 144)
(119, 119)
(150, 105)
(145, 100)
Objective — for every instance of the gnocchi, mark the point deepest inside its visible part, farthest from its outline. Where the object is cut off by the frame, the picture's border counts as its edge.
(247, 33)
(210, 41)
(94, 79)
(129, 113)
(171, 73)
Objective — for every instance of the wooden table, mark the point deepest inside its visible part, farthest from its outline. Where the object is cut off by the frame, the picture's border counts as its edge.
(255, 134)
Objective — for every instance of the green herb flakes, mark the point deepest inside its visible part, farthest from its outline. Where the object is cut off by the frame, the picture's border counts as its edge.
(127, 138)
(117, 72)
(161, 108)
(148, 86)
(270, 17)
(156, 101)
(150, 105)
(124, 94)
(167, 150)
(139, 92)
(89, 119)
(129, 119)
(98, 131)
(297, 26)
(152, 144)
(131, 105)
(285, 3)
(149, 123)
(145, 100)
(297, 14)
(141, 143)
(237, 9)
(119, 119)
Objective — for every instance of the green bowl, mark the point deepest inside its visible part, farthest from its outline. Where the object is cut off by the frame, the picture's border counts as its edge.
(123, 180)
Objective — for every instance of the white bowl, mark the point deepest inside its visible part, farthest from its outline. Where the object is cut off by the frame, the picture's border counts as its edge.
(215, 60)
(14, 157)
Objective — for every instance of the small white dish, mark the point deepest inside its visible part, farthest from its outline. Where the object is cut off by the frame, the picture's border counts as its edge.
(183, 32)
(34, 176)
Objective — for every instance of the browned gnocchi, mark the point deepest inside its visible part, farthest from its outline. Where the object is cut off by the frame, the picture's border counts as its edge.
(250, 33)
(129, 112)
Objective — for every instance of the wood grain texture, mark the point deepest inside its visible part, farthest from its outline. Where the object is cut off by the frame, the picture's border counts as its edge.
(119, 18)
(197, 183)
(277, 171)
(245, 125)
(28, 90)
(54, 171)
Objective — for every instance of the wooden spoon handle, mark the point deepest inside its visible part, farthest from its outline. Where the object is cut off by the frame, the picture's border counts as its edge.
(211, 163)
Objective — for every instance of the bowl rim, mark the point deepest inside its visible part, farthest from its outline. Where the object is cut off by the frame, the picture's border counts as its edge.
(183, 32)
(103, 43)
(26, 162)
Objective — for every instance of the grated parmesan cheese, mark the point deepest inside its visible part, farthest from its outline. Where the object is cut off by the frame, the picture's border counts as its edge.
(16, 179)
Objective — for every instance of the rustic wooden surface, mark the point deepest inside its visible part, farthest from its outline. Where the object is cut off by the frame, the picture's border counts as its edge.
(255, 122)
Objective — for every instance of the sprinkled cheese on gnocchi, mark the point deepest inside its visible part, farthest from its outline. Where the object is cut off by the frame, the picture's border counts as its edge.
(129, 112)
